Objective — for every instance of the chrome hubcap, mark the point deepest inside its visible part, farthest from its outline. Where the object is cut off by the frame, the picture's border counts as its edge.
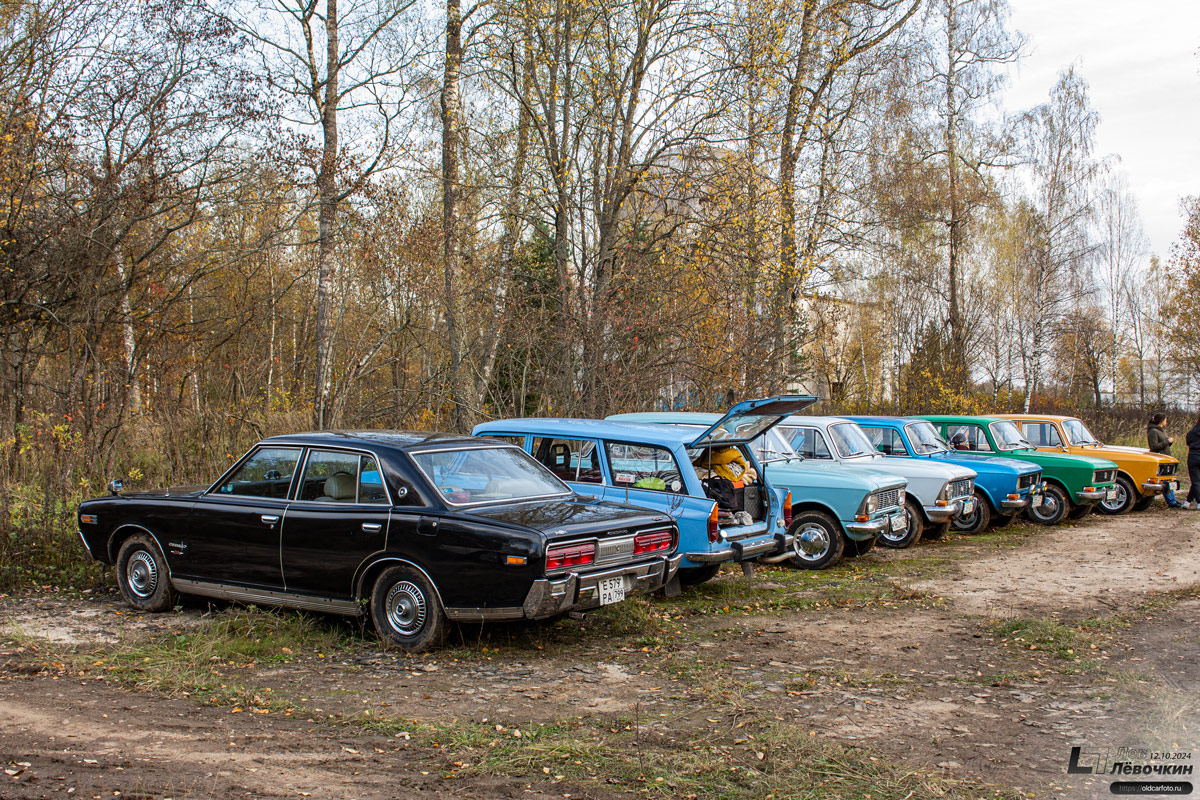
(967, 521)
(812, 542)
(1048, 508)
(1118, 503)
(141, 574)
(406, 608)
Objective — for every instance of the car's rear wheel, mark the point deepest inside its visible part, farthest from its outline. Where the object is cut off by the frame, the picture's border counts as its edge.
(1127, 496)
(143, 576)
(911, 534)
(816, 541)
(406, 611)
(977, 520)
(1053, 508)
(692, 576)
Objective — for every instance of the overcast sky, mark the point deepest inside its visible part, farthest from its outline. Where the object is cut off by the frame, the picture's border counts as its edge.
(1140, 61)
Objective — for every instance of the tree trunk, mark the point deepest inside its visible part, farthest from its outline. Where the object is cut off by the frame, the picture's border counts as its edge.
(327, 200)
(461, 388)
(957, 344)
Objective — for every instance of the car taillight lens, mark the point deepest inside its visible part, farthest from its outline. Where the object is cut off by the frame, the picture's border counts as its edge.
(787, 509)
(570, 555)
(651, 542)
(714, 531)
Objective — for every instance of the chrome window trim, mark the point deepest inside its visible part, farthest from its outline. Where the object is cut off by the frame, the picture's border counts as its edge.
(358, 451)
(212, 490)
(498, 446)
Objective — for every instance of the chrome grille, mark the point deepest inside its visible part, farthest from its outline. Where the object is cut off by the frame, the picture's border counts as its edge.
(889, 498)
(1031, 479)
(1167, 469)
(963, 488)
(1104, 475)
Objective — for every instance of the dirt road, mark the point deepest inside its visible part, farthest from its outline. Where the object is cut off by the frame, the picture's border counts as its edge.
(975, 662)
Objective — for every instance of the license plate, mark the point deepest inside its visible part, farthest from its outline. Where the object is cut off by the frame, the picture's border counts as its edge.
(1111, 494)
(968, 506)
(899, 522)
(1036, 502)
(612, 590)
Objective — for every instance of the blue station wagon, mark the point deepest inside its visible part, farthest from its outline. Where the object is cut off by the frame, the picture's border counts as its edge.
(1003, 486)
(836, 511)
(660, 467)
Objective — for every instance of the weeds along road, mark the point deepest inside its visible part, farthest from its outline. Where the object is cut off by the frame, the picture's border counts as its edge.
(964, 668)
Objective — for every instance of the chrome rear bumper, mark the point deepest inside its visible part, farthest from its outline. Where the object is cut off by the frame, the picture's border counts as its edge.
(549, 597)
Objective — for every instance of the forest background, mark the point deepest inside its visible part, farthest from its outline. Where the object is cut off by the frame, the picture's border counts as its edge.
(221, 220)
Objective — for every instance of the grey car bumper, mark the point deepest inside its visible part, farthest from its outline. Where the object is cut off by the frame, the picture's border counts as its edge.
(576, 591)
(943, 513)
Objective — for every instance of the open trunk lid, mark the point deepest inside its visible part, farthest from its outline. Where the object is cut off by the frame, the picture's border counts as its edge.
(749, 419)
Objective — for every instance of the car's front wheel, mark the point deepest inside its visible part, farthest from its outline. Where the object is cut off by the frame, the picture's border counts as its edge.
(406, 611)
(1079, 512)
(142, 575)
(1145, 502)
(1126, 497)
(1053, 508)
(857, 547)
(816, 541)
(977, 520)
(911, 534)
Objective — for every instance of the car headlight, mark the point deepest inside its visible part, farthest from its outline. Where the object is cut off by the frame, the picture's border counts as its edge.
(872, 503)
(943, 494)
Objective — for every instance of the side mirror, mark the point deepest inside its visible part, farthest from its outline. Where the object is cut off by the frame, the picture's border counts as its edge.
(115, 486)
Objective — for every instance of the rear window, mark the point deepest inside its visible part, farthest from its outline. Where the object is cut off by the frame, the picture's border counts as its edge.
(486, 474)
(637, 466)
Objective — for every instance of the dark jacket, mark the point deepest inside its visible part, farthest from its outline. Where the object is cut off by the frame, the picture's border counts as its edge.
(1193, 443)
(1159, 441)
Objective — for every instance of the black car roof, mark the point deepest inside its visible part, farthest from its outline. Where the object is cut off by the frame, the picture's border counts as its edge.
(399, 440)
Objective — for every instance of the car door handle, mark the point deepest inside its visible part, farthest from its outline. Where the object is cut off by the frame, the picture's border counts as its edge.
(371, 527)
(269, 519)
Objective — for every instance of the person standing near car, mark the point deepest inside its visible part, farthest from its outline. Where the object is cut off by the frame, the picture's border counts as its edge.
(1193, 463)
(1159, 442)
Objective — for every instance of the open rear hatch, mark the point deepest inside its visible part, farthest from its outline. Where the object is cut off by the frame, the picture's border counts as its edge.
(749, 419)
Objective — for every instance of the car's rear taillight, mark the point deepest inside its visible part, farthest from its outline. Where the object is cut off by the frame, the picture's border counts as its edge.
(652, 542)
(714, 530)
(570, 555)
(787, 509)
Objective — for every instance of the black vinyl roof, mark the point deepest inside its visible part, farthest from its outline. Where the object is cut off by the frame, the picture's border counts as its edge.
(399, 440)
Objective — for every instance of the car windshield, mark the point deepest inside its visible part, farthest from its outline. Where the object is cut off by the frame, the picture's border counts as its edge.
(1008, 436)
(1077, 432)
(924, 439)
(487, 474)
(850, 440)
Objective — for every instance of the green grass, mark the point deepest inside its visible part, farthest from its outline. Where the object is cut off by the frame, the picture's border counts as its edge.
(207, 663)
(704, 756)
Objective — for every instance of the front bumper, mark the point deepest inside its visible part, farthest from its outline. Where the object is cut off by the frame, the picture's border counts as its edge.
(1155, 487)
(743, 551)
(944, 513)
(1091, 497)
(1016, 505)
(549, 597)
(869, 529)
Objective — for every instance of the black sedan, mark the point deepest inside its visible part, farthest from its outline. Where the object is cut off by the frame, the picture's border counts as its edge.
(413, 528)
